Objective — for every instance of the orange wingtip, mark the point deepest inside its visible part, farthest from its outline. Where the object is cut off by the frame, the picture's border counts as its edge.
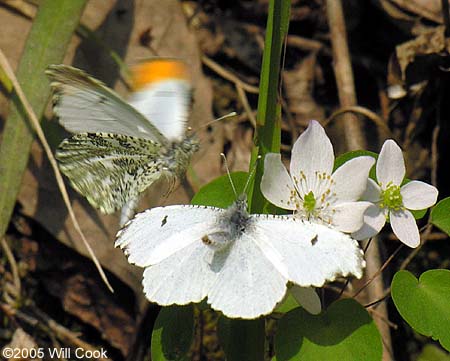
(157, 70)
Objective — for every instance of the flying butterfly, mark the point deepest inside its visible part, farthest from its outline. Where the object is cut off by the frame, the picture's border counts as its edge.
(119, 149)
(240, 262)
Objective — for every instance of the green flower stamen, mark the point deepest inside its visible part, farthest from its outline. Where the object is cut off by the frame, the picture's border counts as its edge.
(391, 198)
(309, 202)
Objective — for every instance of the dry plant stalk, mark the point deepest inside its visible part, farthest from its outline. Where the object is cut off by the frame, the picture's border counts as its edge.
(37, 127)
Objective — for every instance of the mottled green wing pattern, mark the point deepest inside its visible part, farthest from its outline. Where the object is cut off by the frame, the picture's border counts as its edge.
(110, 169)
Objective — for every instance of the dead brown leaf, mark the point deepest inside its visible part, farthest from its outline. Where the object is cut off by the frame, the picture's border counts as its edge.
(81, 297)
(428, 48)
(299, 86)
(22, 341)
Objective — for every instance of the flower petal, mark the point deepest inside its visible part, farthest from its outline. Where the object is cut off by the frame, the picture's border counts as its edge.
(276, 184)
(374, 220)
(308, 298)
(312, 152)
(372, 192)
(390, 164)
(351, 178)
(405, 228)
(418, 195)
(349, 216)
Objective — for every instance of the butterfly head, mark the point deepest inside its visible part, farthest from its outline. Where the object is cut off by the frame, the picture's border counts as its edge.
(190, 144)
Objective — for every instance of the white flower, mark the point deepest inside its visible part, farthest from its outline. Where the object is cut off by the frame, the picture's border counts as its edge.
(311, 190)
(393, 202)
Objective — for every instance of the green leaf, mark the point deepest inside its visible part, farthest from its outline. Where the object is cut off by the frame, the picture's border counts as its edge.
(354, 154)
(433, 353)
(219, 192)
(419, 213)
(288, 304)
(425, 303)
(47, 42)
(440, 215)
(345, 332)
(241, 339)
(173, 333)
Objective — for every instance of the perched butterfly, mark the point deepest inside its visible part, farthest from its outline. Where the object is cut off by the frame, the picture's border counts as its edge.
(119, 149)
(239, 261)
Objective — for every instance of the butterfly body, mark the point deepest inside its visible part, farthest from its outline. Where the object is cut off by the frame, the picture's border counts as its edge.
(120, 149)
(232, 223)
(177, 156)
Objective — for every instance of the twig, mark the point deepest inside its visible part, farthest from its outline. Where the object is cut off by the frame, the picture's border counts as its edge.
(368, 243)
(374, 303)
(343, 73)
(434, 153)
(410, 257)
(306, 44)
(37, 127)
(382, 318)
(412, 121)
(245, 104)
(228, 75)
(381, 269)
(339, 290)
(13, 265)
(374, 117)
(290, 121)
(424, 238)
(21, 7)
(436, 130)
(47, 324)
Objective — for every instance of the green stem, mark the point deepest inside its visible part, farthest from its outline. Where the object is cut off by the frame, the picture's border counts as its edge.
(268, 129)
(244, 340)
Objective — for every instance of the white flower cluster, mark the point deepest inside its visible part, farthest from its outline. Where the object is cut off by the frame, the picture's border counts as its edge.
(346, 199)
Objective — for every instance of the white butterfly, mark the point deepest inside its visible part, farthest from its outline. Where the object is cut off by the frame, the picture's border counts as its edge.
(120, 149)
(240, 262)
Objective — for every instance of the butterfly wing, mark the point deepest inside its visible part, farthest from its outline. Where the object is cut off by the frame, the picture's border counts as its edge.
(84, 104)
(313, 253)
(167, 240)
(110, 169)
(163, 94)
(248, 285)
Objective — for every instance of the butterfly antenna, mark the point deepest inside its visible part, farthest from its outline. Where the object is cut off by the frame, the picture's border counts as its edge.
(229, 115)
(252, 173)
(229, 175)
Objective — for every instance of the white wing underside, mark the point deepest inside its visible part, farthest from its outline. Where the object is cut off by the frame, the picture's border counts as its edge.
(166, 103)
(313, 253)
(85, 105)
(246, 279)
